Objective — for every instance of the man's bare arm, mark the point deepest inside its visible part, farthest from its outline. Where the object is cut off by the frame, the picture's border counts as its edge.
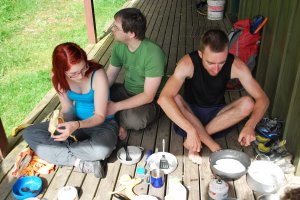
(242, 72)
(150, 88)
(112, 74)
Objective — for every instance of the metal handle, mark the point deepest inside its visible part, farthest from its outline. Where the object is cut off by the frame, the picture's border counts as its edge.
(163, 145)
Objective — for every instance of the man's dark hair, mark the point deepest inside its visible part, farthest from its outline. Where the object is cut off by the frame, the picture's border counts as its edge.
(132, 20)
(216, 39)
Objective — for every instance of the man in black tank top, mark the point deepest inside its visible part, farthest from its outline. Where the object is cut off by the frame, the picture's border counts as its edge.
(201, 113)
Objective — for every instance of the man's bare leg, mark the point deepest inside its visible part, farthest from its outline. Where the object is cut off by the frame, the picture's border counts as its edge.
(204, 137)
(231, 115)
(188, 113)
(122, 133)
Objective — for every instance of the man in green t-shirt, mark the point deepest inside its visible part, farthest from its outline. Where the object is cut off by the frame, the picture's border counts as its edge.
(144, 63)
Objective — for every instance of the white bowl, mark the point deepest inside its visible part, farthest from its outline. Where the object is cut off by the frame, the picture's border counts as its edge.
(265, 177)
(134, 152)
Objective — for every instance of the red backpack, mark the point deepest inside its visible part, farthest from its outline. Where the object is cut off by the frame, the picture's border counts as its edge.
(244, 44)
(244, 40)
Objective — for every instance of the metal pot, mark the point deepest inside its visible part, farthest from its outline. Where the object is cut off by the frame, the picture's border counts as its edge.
(265, 177)
(240, 156)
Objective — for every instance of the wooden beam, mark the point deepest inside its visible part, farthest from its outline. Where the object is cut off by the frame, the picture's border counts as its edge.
(90, 21)
(3, 141)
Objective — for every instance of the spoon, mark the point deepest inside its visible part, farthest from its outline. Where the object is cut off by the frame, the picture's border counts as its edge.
(128, 158)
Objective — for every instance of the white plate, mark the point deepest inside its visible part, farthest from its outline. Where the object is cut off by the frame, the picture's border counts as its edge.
(145, 197)
(134, 152)
(153, 161)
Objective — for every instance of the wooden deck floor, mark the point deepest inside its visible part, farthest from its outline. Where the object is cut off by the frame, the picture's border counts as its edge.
(176, 26)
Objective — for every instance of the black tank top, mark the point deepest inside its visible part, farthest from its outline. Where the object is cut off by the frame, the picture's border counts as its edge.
(203, 89)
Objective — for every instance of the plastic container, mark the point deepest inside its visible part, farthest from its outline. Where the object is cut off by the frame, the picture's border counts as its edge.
(215, 9)
(67, 193)
(27, 186)
(176, 191)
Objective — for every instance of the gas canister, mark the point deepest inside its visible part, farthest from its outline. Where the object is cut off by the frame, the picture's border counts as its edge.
(218, 189)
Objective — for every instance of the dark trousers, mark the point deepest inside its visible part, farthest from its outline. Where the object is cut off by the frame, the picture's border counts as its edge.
(135, 118)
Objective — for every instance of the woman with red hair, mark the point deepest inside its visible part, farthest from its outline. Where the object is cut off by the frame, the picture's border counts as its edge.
(83, 91)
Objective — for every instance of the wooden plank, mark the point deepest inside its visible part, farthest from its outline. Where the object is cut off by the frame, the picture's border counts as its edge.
(8, 181)
(182, 32)
(107, 184)
(168, 35)
(8, 163)
(162, 29)
(46, 180)
(76, 179)
(6, 185)
(135, 139)
(195, 27)
(172, 59)
(89, 187)
(88, 48)
(163, 132)
(148, 11)
(205, 173)
(148, 143)
(144, 6)
(190, 21)
(103, 49)
(3, 142)
(105, 58)
(152, 19)
(159, 27)
(191, 178)
(242, 189)
(176, 148)
(59, 181)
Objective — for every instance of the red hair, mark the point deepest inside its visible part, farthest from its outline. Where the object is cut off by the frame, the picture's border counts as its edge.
(64, 56)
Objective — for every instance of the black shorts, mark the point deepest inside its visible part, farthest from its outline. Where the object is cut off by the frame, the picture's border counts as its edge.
(205, 115)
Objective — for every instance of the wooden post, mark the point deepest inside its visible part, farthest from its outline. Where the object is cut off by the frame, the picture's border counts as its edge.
(90, 21)
(3, 141)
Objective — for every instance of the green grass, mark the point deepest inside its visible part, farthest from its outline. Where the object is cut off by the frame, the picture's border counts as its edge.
(29, 32)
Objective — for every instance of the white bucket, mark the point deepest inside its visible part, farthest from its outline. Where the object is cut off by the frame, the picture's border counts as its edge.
(67, 193)
(215, 9)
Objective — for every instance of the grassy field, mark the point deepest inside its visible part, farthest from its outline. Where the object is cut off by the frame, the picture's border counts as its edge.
(29, 32)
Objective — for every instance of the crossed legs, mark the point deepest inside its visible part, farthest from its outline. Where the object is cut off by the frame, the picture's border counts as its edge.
(226, 117)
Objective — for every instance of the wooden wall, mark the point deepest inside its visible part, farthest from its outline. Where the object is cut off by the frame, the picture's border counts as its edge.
(278, 67)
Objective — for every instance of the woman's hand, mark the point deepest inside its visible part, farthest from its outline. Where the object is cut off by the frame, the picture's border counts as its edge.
(66, 129)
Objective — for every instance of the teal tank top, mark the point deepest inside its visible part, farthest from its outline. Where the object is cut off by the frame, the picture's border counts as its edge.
(84, 103)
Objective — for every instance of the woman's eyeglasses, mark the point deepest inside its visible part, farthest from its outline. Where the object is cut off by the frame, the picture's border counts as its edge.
(75, 74)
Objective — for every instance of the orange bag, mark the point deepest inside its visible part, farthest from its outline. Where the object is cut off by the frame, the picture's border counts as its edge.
(29, 164)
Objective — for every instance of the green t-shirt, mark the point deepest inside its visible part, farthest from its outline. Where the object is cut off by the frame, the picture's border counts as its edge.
(148, 60)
